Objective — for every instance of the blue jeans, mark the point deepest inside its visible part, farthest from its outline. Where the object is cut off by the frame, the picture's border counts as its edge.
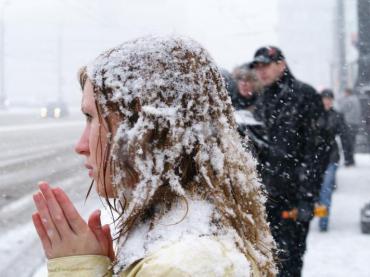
(326, 192)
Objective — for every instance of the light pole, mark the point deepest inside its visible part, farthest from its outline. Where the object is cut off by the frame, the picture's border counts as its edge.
(59, 50)
(362, 87)
(60, 59)
(341, 40)
(3, 97)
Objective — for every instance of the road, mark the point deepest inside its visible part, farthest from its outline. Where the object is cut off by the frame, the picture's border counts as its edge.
(34, 149)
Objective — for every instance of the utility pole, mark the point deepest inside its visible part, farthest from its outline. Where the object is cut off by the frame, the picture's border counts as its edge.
(363, 10)
(362, 86)
(2, 55)
(341, 41)
(60, 59)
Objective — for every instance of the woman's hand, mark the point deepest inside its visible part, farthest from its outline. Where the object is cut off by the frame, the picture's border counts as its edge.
(63, 232)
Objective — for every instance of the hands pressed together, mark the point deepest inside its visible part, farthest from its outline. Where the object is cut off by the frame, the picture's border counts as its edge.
(62, 230)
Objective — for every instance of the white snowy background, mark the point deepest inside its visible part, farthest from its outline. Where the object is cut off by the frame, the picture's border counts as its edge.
(48, 40)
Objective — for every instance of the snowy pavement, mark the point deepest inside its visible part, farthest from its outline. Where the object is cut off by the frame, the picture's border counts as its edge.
(343, 250)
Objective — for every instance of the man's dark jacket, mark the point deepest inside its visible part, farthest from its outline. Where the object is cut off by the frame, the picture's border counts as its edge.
(297, 154)
(336, 125)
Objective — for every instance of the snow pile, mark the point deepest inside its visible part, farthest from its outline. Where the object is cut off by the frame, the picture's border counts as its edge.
(174, 111)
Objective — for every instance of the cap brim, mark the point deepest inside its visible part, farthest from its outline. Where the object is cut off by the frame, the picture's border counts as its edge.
(260, 59)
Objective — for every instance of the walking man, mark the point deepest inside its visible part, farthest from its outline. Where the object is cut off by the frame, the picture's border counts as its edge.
(292, 170)
(350, 106)
(336, 126)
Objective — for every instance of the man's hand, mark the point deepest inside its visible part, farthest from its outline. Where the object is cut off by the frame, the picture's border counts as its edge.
(291, 214)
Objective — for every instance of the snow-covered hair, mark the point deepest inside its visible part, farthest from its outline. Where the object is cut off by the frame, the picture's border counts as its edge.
(176, 137)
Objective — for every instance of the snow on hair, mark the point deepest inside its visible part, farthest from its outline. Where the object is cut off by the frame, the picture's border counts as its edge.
(177, 133)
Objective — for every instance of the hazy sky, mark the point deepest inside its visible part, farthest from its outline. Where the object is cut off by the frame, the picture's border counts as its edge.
(230, 29)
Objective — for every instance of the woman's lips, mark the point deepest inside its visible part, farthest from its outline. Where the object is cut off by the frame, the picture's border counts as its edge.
(90, 169)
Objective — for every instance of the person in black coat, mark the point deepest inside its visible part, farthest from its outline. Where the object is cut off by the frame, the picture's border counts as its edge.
(296, 155)
(336, 126)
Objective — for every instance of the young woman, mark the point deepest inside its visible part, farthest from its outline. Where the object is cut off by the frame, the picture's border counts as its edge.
(160, 139)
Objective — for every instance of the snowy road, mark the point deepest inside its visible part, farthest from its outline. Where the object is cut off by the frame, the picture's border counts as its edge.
(35, 150)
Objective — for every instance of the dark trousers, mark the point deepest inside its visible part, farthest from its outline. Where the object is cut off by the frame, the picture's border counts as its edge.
(290, 237)
(349, 150)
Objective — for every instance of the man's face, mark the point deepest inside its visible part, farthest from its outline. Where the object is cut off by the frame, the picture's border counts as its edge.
(270, 72)
(328, 103)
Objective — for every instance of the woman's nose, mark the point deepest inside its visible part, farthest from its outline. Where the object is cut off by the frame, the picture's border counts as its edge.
(82, 146)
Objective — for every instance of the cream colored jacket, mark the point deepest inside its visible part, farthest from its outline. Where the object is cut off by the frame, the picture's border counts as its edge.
(209, 257)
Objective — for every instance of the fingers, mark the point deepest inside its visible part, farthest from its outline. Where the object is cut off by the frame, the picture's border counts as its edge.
(94, 224)
(55, 211)
(94, 220)
(74, 219)
(46, 243)
(45, 217)
(62, 230)
(102, 233)
(106, 231)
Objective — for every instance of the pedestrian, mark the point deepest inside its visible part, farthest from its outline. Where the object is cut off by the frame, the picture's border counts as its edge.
(336, 126)
(248, 88)
(160, 139)
(293, 164)
(350, 106)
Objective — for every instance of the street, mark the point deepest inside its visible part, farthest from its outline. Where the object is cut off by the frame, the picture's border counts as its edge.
(34, 149)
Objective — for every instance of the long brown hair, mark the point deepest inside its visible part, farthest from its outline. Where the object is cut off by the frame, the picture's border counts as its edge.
(176, 137)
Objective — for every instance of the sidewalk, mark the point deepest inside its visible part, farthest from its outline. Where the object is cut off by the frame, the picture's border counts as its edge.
(343, 250)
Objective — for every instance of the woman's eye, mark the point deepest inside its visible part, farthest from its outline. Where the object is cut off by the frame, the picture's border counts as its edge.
(88, 117)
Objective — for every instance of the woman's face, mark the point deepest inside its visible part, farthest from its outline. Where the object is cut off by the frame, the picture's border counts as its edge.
(245, 89)
(93, 143)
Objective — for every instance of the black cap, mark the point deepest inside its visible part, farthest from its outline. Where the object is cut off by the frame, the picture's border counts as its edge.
(266, 55)
(327, 93)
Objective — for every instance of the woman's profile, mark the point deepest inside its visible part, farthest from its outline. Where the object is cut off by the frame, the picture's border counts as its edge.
(161, 146)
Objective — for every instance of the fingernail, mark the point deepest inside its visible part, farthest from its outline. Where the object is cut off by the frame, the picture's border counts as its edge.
(36, 197)
(43, 186)
(55, 191)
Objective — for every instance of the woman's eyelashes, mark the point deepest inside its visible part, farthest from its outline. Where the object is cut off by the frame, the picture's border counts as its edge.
(88, 117)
